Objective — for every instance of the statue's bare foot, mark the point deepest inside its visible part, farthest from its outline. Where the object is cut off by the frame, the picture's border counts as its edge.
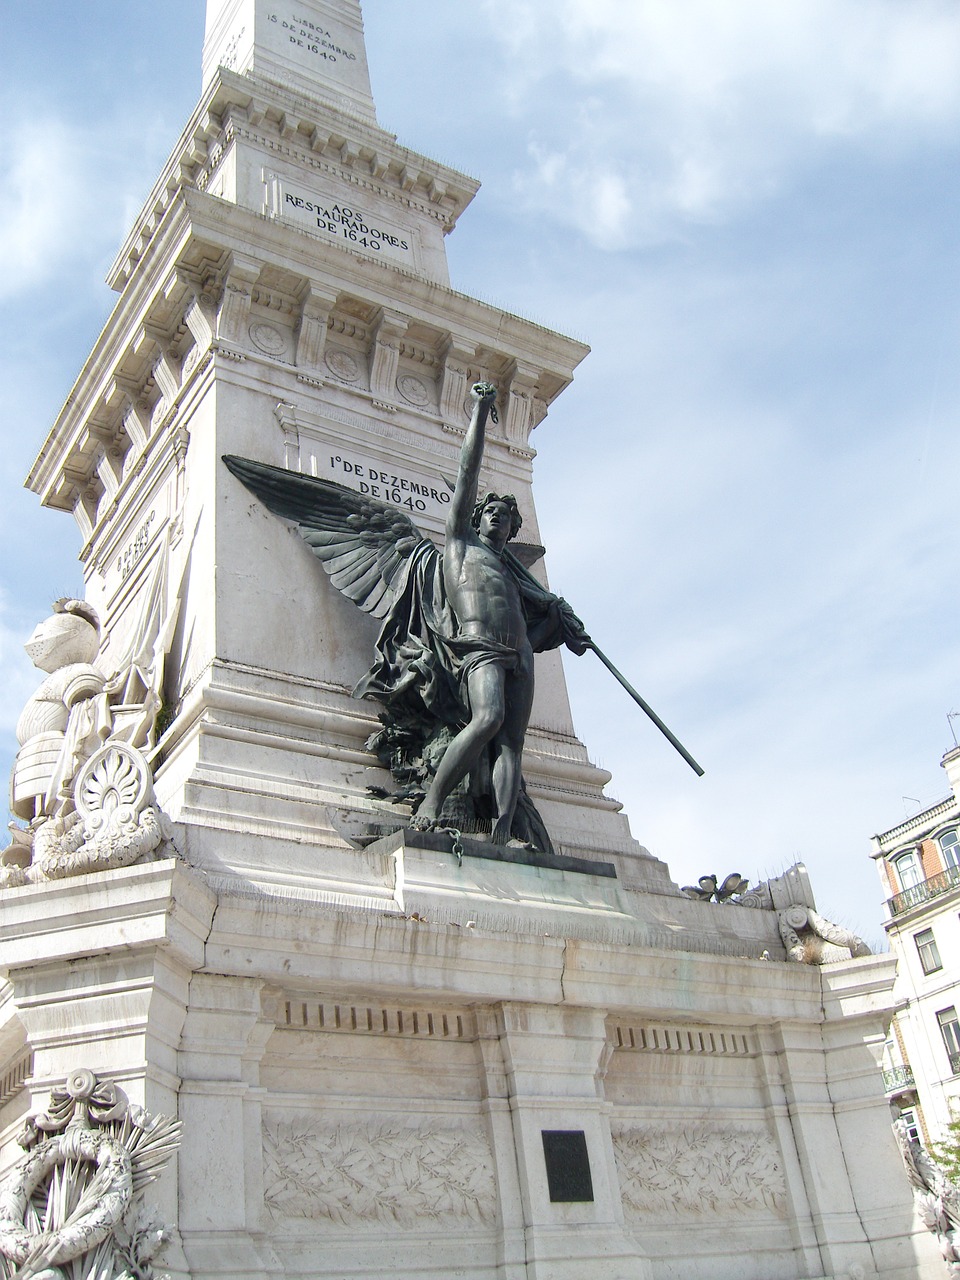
(521, 844)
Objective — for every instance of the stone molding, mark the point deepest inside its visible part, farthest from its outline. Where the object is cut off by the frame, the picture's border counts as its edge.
(121, 372)
(297, 1013)
(235, 106)
(662, 1038)
(13, 1080)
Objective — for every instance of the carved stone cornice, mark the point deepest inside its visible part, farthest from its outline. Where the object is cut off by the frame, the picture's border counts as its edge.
(311, 133)
(385, 354)
(162, 334)
(316, 306)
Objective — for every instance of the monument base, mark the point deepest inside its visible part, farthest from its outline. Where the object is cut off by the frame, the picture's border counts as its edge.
(379, 1092)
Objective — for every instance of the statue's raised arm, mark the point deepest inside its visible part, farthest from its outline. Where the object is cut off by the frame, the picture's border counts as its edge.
(471, 456)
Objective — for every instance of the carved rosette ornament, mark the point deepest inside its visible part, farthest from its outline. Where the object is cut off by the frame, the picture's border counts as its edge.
(72, 1206)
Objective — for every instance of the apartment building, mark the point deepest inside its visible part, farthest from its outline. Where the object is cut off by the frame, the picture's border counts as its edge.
(919, 865)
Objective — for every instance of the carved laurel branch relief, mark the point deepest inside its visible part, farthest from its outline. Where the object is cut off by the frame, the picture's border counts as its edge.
(698, 1170)
(377, 1172)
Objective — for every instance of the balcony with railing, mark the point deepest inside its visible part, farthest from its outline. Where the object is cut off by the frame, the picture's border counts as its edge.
(942, 882)
(897, 1079)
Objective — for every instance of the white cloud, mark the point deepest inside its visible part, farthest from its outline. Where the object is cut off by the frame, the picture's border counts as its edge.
(20, 677)
(711, 104)
(71, 192)
(44, 185)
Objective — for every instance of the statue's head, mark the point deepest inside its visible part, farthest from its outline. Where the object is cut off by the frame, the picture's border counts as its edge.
(70, 634)
(507, 504)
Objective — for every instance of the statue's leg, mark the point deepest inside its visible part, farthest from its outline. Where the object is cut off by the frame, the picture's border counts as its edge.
(508, 747)
(485, 687)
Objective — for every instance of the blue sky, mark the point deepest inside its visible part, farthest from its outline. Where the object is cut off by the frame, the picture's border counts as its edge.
(750, 491)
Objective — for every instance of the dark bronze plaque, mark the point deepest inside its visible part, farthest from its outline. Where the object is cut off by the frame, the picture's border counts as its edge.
(568, 1165)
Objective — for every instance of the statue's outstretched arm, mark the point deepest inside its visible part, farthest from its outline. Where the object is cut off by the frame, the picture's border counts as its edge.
(471, 456)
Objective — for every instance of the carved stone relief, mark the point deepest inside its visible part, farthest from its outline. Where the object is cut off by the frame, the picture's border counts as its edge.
(268, 338)
(377, 1172)
(74, 1200)
(808, 938)
(414, 390)
(115, 823)
(698, 1171)
(342, 365)
(935, 1198)
(81, 779)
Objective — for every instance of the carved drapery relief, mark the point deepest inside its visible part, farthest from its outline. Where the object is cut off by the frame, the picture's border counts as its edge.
(377, 1172)
(74, 1200)
(698, 1170)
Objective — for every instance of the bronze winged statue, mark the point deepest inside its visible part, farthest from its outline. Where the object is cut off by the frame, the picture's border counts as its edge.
(453, 668)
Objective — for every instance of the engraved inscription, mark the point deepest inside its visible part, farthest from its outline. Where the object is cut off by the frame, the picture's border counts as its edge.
(311, 37)
(346, 223)
(229, 57)
(131, 556)
(388, 486)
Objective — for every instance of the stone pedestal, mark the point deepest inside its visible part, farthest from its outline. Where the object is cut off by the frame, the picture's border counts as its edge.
(366, 1092)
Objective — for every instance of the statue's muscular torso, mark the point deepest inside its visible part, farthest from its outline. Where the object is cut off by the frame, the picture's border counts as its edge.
(483, 593)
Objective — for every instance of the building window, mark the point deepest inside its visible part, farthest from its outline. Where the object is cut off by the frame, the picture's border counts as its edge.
(909, 870)
(950, 1030)
(950, 847)
(927, 947)
(909, 1121)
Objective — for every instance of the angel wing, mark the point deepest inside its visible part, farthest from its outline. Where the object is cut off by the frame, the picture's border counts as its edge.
(363, 544)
